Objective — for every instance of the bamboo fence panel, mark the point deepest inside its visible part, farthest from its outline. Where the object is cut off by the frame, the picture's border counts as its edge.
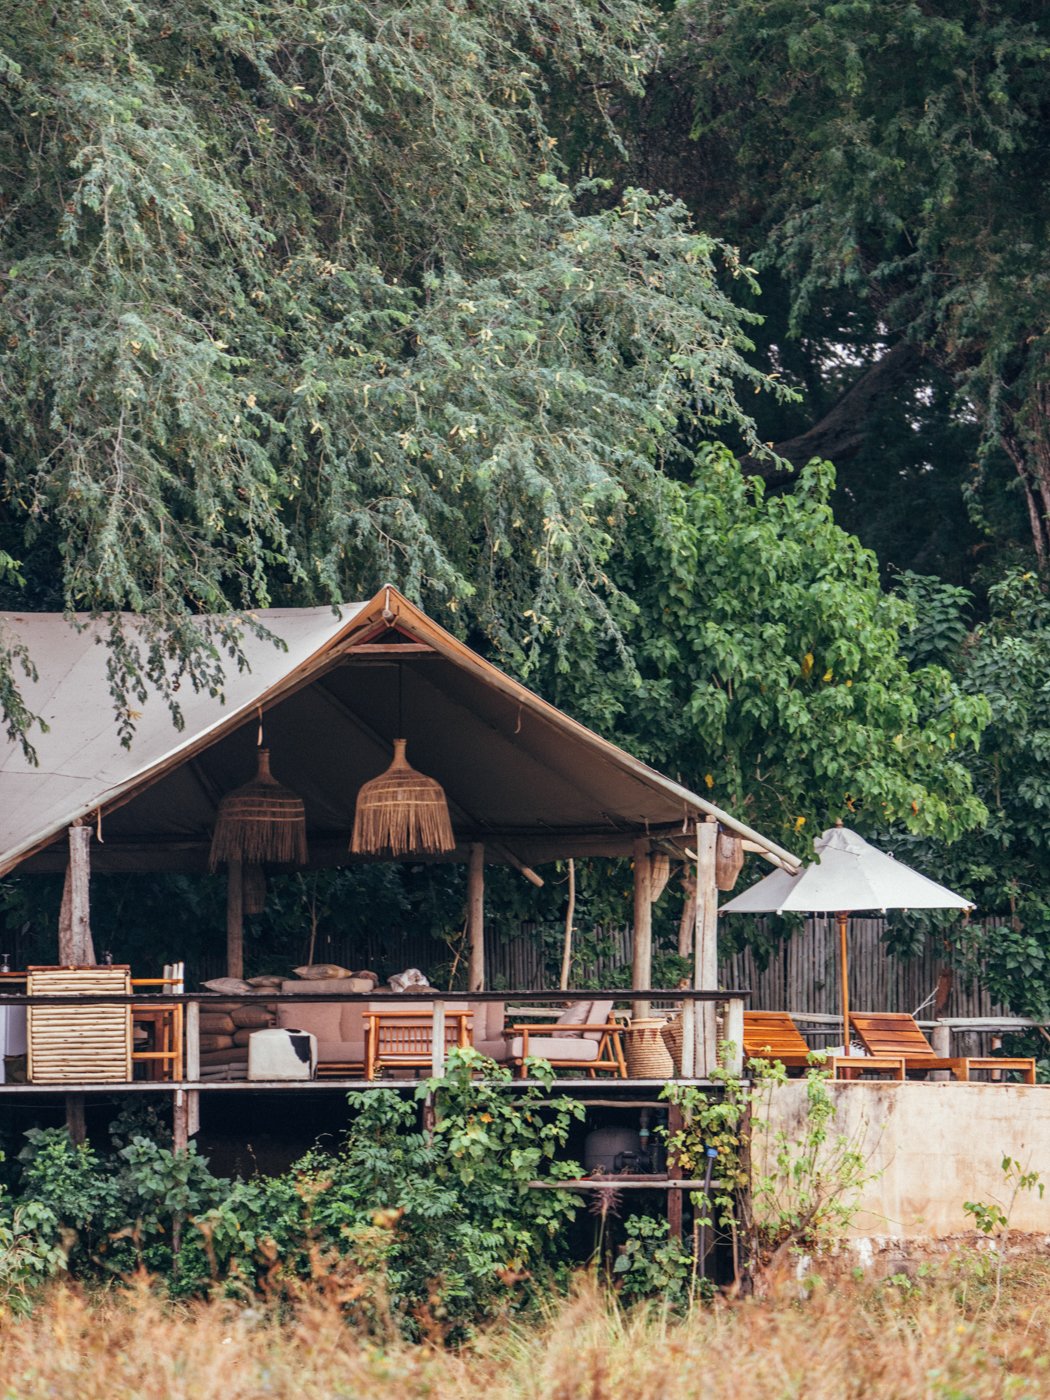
(79, 1044)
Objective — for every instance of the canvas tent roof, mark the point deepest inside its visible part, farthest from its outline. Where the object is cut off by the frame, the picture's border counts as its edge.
(520, 776)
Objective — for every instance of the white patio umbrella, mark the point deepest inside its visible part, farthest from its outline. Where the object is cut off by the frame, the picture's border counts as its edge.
(848, 875)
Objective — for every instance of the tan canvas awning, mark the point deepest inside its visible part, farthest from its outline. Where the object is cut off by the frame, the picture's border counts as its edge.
(520, 776)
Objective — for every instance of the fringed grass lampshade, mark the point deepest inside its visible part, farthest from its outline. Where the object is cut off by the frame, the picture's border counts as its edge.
(260, 822)
(401, 812)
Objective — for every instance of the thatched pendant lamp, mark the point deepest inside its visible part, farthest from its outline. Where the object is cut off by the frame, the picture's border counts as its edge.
(260, 822)
(401, 813)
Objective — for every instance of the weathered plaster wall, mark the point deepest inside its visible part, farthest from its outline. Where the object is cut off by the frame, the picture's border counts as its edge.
(935, 1146)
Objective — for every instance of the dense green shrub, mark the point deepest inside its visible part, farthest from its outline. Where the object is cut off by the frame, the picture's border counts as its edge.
(425, 1229)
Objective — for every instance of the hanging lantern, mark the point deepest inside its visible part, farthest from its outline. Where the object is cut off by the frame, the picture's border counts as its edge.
(729, 860)
(260, 822)
(401, 812)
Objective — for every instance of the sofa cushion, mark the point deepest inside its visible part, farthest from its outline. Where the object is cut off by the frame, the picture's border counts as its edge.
(327, 986)
(549, 1047)
(599, 1015)
(578, 1014)
(322, 1019)
(487, 1021)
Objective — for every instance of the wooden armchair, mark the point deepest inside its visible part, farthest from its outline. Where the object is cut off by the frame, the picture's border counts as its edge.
(896, 1033)
(587, 1037)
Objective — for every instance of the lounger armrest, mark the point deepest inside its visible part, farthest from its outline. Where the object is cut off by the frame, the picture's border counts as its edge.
(549, 1029)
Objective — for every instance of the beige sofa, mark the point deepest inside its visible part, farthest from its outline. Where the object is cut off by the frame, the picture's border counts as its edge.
(341, 1029)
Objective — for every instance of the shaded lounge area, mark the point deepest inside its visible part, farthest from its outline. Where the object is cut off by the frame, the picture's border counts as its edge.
(524, 783)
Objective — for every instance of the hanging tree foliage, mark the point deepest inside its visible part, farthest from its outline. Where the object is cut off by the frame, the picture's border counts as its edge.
(292, 301)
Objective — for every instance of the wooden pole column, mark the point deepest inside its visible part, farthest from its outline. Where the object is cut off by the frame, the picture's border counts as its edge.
(234, 919)
(476, 917)
(75, 946)
(642, 961)
(705, 948)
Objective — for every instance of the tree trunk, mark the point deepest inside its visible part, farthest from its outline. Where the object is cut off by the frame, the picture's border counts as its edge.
(1027, 444)
(844, 428)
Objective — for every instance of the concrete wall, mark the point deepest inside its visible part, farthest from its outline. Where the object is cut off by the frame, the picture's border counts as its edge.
(935, 1147)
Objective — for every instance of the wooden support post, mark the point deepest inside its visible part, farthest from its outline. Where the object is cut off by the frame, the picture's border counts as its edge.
(76, 1124)
(705, 950)
(193, 1041)
(179, 1122)
(65, 923)
(642, 962)
(687, 923)
(734, 1036)
(570, 914)
(674, 1196)
(437, 1043)
(476, 917)
(688, 1039)
(234, 919)
(75, 947)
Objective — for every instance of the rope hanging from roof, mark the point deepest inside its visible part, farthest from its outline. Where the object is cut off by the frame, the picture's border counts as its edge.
(261, 822)
(401, 812)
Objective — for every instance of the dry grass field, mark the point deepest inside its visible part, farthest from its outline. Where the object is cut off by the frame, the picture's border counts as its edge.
(945, 1338)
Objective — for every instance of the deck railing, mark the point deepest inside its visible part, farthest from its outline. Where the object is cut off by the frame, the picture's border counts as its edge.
(438, 1003)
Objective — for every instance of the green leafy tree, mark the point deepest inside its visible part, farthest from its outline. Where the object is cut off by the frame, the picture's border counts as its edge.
(292, 304)
(1002, 866)
(890, 153)
(771, 670)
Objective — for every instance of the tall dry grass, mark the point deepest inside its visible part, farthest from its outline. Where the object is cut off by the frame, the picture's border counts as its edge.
(942, 1340)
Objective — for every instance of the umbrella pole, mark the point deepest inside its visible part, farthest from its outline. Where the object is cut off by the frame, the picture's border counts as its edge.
(843, 922)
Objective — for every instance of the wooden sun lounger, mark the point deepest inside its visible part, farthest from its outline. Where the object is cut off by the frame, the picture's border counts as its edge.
(773, 1035)
(896, 1033)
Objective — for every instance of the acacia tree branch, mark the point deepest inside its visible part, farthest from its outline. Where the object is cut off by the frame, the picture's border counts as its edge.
(842, 431)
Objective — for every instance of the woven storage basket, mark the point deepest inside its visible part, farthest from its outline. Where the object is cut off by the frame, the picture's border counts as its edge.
(671, 1034)
(644, 1050)
(672, 1037)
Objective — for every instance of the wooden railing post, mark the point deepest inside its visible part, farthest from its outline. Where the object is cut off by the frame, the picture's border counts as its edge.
(941, 1040)
(734, 1036)
(193, 1041)
(688, 1039)
(437, 1043)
